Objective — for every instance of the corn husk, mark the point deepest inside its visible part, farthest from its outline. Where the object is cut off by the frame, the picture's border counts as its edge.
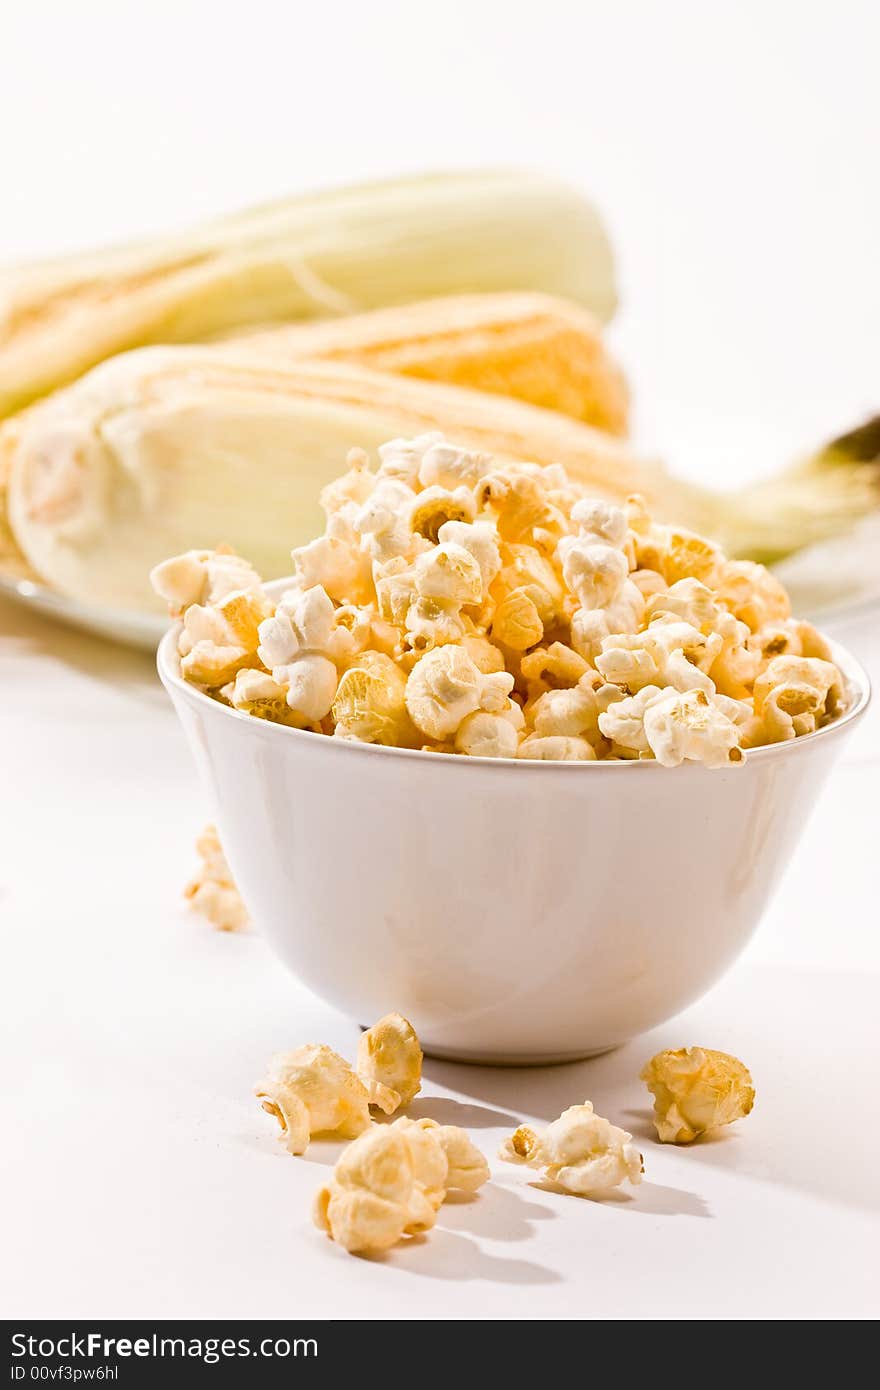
(330, 253)
(169, 448)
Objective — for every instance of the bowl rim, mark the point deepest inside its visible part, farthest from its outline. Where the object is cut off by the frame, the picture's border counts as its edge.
(168, 665)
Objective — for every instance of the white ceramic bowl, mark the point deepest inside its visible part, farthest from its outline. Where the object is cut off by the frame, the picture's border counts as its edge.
(516, 912)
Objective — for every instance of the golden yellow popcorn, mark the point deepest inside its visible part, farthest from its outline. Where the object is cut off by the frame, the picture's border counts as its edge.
(580, 1152)
(514, 498)
(370, 703)
(517, 623)
(212, 892)
(752, 594)
(374, 1198)
(483, 608)
(392, 1180)
(255, 692)
(690, 557)
(696, 1090)
(313, 1090)
(389, 1054)
(525, 568)
(436, 507)
(466, 1167)
(793, 696)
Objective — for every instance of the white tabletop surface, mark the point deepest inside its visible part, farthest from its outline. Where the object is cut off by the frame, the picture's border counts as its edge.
(142, 1179)
(734, 160)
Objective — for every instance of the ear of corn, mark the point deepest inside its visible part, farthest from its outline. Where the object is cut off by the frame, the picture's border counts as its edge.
(169, 448)
(338, 252)
(531, 347)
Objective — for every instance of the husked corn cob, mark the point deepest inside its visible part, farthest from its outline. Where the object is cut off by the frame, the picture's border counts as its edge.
(342, 251)
(532, 347)
(165, 449)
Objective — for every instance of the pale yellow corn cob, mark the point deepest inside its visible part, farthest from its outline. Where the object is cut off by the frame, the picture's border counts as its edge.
(170, 448)
(336, 252)
(532, 347)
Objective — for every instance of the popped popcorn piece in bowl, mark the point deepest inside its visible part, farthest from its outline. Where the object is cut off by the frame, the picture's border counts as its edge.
(696, 1090)
(580, 1152)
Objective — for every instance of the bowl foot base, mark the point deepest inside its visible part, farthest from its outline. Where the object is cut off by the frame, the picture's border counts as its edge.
(478, 1058)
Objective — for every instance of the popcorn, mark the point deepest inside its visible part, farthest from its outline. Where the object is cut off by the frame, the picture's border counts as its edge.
(212, 892)
(696, 1090)
(690, 556)
(402, 458)
(480, 539)
(389, 1054)
(624, 721)
(444, 465)
(220, 638)
(391, 1182)
(490, 609)
(370, 703)
(556, 749)
(374, 1198)
(527, 571)
(311, 682)
(335, 561)
(517, 623)
(752, 594)
(383, 518)
(571, 712)
(450, 574)
(436, 507)
(514, 497)
(314, 1091)
(549, 668)
(445, 686)
(691, 727)
(467, 1169)
(579, 1152)
(298, 645)
(256, 692)
(202, 577)
(483, 735)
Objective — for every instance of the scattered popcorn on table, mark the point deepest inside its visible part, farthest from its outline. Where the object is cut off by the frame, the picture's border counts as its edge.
(314, 1091)
(212, 892)
(485, 608)
(389, 1055)
(580, 1152)
(390, 1182)
(696, 1090)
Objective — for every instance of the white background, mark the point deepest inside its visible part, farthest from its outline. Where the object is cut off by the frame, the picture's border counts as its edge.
(733, 151)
